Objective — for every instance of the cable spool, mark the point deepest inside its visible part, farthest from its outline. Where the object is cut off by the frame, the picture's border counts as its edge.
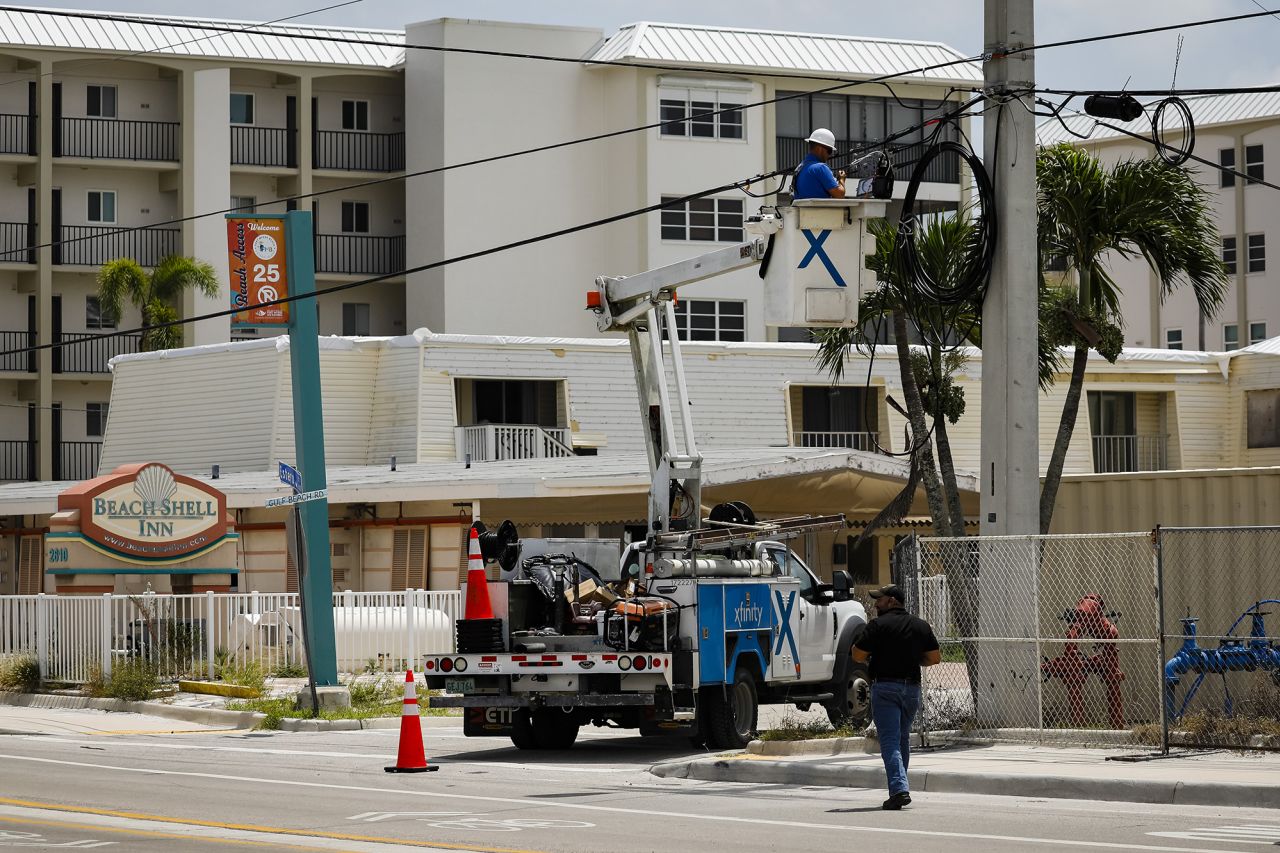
(502, 545)
(1170, 154)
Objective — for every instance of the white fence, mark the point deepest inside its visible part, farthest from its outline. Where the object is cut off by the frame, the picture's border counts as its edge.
(199, 635)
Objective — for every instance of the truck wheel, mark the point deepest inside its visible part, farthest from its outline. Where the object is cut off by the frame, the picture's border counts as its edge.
(731, 719)
(554, 729)
(522, 730)
(852, 703)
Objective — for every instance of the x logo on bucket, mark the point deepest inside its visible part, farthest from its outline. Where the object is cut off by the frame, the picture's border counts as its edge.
(784, 626)
(816, 251)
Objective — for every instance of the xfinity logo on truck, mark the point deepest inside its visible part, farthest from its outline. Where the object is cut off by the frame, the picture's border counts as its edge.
(748, 613)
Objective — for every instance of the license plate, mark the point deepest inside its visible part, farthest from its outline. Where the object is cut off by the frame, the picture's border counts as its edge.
(459, 685)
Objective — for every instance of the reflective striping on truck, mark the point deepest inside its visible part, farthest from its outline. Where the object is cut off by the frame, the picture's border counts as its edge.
(510, 664)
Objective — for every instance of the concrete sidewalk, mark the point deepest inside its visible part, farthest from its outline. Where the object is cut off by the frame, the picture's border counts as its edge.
(1205, 778)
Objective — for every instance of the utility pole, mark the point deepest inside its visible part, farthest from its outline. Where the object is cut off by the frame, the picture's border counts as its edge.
(1010, 473)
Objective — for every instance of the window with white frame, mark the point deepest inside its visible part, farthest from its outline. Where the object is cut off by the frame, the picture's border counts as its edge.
(1230, 337)
(355, 318)
(94, 318)
(1173, 339)
(1257, 252)
(241, 108)
(701, 113)
(100, 101)
(355, 217)
(355, 115)
(711, 320)
(1229, 255)
(1257, 332)
(95, 419)
(244, 202)
(713, 220)
(102, 206)
(1253, 163)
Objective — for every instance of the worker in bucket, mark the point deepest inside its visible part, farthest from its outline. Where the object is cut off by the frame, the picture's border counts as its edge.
(814, 178)
(897, 645)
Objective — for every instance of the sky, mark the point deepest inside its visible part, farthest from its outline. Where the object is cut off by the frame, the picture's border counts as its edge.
(1240, 53)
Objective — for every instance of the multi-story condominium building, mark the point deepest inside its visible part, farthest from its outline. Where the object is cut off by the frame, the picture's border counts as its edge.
(1240, 132)
(108, 125)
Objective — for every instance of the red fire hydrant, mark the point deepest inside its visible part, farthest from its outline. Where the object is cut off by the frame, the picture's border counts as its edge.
(1089, 619)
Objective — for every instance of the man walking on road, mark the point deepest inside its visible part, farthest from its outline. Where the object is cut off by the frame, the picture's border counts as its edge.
(897, 644)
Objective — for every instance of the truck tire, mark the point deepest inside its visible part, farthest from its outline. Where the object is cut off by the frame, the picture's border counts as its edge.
(522, 730)
(731, 713)
(851, 705)
(554, 729)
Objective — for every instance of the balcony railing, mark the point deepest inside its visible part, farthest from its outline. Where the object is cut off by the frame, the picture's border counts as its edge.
(94, 245)
(499, 442)
(359, 254)
(17, 461)
(17, 362)
(945, 169)
(1113, 454)
(16, 240)
(358, 151)
(851, 440)
(16, 134)
(89, 353)
(264, 146)
(118, 139)
(77, 460)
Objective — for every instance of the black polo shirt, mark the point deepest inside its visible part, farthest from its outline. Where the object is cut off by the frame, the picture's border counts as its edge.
(896, 641)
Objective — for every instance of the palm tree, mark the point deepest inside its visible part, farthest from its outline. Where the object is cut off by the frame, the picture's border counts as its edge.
(156, 296)
(1137, 208)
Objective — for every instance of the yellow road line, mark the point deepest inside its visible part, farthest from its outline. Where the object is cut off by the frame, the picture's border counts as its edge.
(249, 827)
(146, 833)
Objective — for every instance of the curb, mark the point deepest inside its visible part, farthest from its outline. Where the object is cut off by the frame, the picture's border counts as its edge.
(997, 784)
(208, 716)
(816, 746)
(204, 716)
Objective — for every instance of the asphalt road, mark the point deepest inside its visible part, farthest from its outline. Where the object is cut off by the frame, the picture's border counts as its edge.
(71, 780)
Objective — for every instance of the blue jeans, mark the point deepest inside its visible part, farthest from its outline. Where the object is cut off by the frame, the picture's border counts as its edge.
(893, 707)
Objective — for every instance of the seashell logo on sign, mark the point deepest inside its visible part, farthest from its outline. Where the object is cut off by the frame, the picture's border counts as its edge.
(148, 511)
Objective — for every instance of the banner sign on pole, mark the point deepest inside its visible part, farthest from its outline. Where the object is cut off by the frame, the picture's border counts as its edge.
(259, 272)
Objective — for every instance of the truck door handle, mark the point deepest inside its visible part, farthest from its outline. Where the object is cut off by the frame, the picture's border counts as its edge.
(801, 614)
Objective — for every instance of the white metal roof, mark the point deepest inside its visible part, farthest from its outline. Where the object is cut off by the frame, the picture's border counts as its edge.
(577, 476)
(1207, 110)
(771, 51)
(156, 34)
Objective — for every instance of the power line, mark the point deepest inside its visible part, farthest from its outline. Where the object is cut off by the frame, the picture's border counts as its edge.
(550, 235)
(1205, 22)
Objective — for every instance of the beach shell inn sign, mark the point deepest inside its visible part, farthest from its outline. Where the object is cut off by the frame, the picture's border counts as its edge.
(147, 512)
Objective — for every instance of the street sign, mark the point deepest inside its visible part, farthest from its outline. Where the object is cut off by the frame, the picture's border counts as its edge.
(256, 252)
(304, 497)
(291, 476)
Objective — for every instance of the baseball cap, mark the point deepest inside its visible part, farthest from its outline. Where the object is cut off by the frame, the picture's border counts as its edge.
(892, 590)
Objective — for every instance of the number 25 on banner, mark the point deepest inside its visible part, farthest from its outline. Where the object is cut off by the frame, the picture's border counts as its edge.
(257, 261)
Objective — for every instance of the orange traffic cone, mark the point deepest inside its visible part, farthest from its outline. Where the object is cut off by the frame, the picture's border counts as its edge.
(478, 605)
(411, 757)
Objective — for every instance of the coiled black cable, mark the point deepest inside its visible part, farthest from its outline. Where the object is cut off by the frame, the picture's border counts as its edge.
(1170, 154)
(969, 286)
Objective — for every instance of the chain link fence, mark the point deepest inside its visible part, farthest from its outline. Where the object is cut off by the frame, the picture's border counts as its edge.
(1221, 632)
(1047, 638)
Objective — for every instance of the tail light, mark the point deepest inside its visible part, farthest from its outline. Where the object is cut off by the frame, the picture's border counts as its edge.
(624, 663)
(446, 665)
(640, 662)
(460, 664)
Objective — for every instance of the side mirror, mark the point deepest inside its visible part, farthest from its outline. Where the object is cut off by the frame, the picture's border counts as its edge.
(841, 586)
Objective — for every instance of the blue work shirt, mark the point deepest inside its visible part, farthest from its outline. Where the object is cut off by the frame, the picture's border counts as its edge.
(814, 178)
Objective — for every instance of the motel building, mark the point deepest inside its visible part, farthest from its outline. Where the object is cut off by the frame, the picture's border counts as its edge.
(426, 432)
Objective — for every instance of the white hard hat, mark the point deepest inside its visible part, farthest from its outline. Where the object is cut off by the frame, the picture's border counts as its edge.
(822, 136)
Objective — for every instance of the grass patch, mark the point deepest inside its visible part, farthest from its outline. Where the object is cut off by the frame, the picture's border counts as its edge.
(953, 653)
(20, 673)
(794, 728)
(289, 669)
(133, 680)
(380, 698)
